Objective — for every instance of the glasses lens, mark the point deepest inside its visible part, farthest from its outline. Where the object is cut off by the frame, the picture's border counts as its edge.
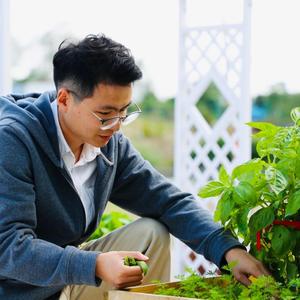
(132, 108)
(130, 118)
(132, 113)
(109, 123)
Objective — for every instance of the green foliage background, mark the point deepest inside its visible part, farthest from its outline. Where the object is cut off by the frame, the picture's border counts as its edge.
(153, 132)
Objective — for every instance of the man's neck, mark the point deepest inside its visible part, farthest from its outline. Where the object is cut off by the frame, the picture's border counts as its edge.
(75, 146)
(77, 152)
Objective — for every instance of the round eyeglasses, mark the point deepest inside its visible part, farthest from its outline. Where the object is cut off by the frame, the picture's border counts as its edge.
(124, 120)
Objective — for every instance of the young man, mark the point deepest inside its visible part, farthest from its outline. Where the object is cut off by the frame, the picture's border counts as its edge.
(62, 158)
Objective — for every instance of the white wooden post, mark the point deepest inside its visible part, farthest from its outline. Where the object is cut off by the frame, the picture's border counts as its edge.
(4, 48)
(216, 55)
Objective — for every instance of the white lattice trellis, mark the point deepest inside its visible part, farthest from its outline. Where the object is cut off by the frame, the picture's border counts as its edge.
(219, 56)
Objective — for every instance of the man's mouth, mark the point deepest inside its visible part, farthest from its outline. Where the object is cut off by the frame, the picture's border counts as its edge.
(106, 138)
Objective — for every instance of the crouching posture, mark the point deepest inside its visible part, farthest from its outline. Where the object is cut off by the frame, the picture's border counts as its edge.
(62, 158)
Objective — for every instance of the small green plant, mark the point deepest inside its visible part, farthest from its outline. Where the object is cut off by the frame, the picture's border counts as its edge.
(110, 222)
(260, 201)
(226, 287)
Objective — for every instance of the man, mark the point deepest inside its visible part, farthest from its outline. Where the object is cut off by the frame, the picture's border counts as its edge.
(62, 158)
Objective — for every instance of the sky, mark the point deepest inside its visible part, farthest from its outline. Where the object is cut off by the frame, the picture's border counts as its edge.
(150, 28)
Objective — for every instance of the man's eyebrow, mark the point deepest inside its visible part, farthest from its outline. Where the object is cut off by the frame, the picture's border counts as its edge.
(113, 107)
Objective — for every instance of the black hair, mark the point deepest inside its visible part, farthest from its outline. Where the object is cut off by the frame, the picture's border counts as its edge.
(94, 60)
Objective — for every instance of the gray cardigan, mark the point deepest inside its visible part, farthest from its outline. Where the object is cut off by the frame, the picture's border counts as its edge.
(42, 219)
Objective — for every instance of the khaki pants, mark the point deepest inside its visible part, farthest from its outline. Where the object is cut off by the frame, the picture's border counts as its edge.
(145, 235)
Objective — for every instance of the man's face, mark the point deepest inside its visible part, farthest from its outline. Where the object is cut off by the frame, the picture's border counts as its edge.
(78, 121)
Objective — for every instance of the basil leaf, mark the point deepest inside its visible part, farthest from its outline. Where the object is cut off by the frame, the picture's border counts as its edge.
(224, 177)
(292, 270)
(244, 193)
(263, 126)
(242, 221)
(293, 204)
(281, 240)
(276, 180)
(261, 219)
(212, 189)
(295, 115)
(224, 207)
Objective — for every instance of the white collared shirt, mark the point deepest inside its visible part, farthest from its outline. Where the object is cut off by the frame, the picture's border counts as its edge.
(83, 172)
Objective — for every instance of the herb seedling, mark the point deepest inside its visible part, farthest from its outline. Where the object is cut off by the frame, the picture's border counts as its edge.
(130, 261)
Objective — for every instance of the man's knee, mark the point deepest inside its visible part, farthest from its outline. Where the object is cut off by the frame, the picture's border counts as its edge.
(155, 229)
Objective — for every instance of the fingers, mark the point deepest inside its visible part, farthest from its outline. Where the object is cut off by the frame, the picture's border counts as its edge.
(129, 281)
(135, 254)
(258, 269)
(242, 278)
(246, 265)
(132, 270)
(110, 268)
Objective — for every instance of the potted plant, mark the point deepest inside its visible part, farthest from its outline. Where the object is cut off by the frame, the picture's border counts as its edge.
(260, 201)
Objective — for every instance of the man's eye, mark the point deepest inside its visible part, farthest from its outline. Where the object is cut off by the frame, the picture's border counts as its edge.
(103, 113)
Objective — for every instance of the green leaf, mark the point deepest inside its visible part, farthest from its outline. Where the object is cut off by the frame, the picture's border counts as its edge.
(292, 270)
(242, 221)
(144, 267)
(293, 204)
(296, 237)
(212, 189)
(263, 126)
(289, 153)
(260, 255)
(281, 240)
(295, 115)
(224, 207)
(261, 219)
(224, 177)
(263, 146)
(276, 180)
(248, 171)
(244, 193)
(131, 261)
(297, 168)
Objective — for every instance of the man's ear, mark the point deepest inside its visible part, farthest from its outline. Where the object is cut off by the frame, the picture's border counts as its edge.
(63, 99)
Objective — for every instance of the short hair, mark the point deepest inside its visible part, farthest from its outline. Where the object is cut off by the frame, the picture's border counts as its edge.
(94, 60)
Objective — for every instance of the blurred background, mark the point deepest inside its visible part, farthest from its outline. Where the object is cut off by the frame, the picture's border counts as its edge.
(31, 31)
(150, 29)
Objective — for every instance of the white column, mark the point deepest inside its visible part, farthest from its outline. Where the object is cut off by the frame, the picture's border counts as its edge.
(5, 79)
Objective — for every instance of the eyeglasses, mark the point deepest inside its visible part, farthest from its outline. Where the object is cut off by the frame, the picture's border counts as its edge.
(125, 120)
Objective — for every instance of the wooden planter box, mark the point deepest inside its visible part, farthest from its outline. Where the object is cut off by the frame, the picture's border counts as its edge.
(143, 292)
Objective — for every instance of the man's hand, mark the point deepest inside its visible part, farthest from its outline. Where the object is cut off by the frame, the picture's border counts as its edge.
(246, 265)
(110, 268)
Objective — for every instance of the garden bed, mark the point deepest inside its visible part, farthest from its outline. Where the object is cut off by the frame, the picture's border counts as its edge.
(222, 287)
(144, 292)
